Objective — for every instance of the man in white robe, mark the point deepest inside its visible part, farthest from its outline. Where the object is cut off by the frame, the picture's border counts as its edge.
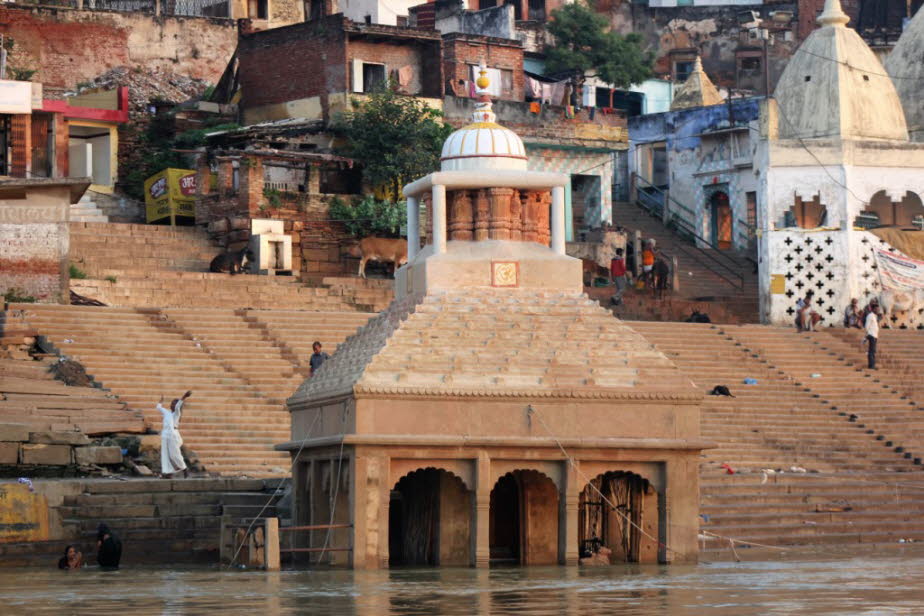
(171, 456)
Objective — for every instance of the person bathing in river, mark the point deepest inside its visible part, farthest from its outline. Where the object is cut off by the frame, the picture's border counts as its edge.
(72, 559)
(171, 455)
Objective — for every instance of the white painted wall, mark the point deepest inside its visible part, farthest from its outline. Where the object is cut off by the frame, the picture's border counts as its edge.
(102, 161)
(80, 158)
(385, 12)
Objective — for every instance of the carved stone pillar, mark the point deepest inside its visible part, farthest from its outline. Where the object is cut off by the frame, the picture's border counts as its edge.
(461, 217)
(482, 207)
(427, 231)
(499, 221)
(528, 216)
(542, 218)
(516, 224)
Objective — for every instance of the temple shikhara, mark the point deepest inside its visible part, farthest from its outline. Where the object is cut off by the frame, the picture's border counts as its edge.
(492, 411)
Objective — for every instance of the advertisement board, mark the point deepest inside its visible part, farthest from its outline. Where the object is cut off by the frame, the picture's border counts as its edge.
(170, 193)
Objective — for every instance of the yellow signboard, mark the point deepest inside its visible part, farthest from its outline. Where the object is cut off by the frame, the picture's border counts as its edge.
(170, 193)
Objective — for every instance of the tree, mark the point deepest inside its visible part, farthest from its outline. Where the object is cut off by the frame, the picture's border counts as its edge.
(585, 46)
(395, 138)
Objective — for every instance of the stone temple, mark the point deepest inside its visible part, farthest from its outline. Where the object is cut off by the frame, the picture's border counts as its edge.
(493, 413)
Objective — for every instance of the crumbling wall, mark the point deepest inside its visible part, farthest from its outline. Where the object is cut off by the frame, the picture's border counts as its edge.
(67, 47)
(34, 243)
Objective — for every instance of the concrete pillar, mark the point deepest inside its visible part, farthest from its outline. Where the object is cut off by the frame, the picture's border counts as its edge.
(481, 518)
(558, 220)
(568, 515)
(413, 227)
(439, 219)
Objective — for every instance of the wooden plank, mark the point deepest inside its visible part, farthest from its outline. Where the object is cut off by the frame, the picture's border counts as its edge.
(316, 550)
(314, 527)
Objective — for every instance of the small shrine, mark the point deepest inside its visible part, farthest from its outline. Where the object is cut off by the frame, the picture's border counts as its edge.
(493, 413)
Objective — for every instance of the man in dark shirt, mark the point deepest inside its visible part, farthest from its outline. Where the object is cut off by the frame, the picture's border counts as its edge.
(108, 548)
(317, 358)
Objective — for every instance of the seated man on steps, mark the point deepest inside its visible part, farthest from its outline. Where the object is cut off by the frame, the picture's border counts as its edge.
(317, 358)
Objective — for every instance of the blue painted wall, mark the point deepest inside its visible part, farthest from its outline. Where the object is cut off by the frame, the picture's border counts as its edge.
(679, 128)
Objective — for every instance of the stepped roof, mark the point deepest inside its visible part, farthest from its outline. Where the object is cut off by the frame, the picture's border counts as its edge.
(697, 91)
(498, 342)
(835, 86)
(905, 64)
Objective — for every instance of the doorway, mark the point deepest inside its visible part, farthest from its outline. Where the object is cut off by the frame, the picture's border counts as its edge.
(523, 519)
(721, 214)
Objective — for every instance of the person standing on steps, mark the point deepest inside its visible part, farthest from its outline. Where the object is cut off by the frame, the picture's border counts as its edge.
(317, 358)
(872, 334)
(171, 443)
(618, 275)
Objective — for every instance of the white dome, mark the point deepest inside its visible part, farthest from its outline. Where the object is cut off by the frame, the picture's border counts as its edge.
(834, 86)
(483, 145)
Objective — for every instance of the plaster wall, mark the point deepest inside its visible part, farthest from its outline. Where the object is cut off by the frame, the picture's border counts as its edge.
(380, 12)
(34, 243)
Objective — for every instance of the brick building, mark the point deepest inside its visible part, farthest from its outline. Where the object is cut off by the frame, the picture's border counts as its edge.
(310, 70)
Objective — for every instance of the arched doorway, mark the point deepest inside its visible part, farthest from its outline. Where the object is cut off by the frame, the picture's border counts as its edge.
(721, 216)
(636, 507)
(429, 520)
(523, 525)
(888, 213)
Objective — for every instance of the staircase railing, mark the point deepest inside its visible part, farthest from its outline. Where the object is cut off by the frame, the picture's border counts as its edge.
(661, 205)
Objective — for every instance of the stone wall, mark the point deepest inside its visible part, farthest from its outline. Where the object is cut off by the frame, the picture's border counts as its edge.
(34, 243)
(68, 47)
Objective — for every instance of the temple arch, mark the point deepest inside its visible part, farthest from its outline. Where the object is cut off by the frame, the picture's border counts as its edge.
(523, 525)
(637, 507)
(429, 520)
(882, 211)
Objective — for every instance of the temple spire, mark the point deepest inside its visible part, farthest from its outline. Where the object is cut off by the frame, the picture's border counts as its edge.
(833, 15)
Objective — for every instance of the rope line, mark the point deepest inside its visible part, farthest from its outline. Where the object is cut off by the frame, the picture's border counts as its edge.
(276, 491)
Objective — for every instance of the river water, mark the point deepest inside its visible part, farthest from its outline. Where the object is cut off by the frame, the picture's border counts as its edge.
(887, 582)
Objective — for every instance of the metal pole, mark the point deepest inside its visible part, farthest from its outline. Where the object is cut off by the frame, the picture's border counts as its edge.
(766, 67)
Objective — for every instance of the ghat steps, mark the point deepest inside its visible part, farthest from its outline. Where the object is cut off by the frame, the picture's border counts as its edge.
(159, 266)
(697, 282)
(792, 419)
(158, 520)
(239, 368)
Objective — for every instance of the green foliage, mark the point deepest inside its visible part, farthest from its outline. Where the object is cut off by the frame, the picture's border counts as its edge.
(273, 196)
(76, 273)
(369, 216)
(112, 279)
(17, 295)
(22, 74)
(156, 147)
(395, 138)
(585, 45)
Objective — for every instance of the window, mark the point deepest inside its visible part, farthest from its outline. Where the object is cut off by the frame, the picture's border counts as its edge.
(373, 76)
(314, 10)
(750, 64)
(262, 9)
(682, 70)
(401, 21)
(751, 200)
(506, 82)
(334, 181)
(537, 10)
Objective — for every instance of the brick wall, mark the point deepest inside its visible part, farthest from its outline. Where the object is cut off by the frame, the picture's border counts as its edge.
(396, 56)
(34, 244)
(292, 63)
(461, 51)
(67, 47)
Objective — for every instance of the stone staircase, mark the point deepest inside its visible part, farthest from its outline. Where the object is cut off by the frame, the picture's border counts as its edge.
(158, 521)
(699, 281)
(155, 266)
(86, 211)
(781, 423)
(240, 367)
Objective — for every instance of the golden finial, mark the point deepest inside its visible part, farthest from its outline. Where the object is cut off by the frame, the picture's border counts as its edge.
(482, 82)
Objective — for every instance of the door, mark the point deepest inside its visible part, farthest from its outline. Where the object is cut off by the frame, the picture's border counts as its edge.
(721, 221)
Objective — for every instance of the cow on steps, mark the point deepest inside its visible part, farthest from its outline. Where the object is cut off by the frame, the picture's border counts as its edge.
(231, 262)
(379, 249)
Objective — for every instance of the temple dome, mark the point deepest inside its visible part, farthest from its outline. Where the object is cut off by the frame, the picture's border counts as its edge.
(834, 86)
(484, 144)
(697, 91)
(906, 66)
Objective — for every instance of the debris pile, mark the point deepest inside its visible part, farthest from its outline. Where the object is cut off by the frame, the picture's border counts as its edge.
(147, 86)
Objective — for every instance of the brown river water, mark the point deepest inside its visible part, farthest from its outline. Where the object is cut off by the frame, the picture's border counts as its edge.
(880, 582)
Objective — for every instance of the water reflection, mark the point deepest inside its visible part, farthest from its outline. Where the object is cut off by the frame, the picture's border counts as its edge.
(888, 583)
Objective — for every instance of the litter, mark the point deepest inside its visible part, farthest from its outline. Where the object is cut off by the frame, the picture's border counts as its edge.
(815, 375)
(728, 469)
(26, 482)
(797, 469)
(764, 480)
(832, 508)
(705, 517)
(68, 341)
(750, 381)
